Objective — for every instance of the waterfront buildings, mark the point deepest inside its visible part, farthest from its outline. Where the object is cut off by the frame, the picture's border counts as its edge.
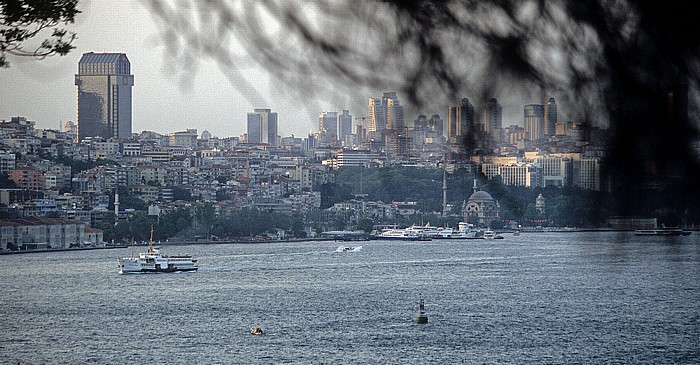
(104, 83)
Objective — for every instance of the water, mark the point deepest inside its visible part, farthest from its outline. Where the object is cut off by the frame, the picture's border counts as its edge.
(537, 298)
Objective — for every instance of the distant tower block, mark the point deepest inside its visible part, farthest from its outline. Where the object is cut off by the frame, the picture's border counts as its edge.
(104, 82)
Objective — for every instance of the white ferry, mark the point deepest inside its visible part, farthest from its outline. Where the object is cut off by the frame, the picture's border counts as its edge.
(402, 235)
(463, 232)
(153, 261)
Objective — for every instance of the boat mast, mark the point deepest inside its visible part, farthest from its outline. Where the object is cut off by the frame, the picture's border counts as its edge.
(150, 243)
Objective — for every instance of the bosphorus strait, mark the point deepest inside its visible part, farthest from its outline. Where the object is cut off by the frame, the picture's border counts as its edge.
(603, 297)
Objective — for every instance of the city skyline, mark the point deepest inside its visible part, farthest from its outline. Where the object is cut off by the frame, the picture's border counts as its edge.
(44, 91)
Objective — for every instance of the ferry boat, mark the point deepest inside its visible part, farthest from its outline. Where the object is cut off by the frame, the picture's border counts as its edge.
(463, 232)
(153, 261)
(401, 234)
(662, 232)
(423, 230)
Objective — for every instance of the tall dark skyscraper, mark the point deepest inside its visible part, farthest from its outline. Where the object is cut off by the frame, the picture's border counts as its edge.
(262, 127)
(534, 121)
(104, 84)
(550, 117)
(460, 119)
(493, 116)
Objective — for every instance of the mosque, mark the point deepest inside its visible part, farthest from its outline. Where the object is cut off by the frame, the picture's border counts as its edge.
(481, 207)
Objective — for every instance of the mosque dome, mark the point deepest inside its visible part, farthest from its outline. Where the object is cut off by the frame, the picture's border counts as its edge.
(480, 196)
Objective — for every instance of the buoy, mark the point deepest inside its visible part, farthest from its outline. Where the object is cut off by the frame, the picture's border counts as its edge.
(421, 317)
(256, 330)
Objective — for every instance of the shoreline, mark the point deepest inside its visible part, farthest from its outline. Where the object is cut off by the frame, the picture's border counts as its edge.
(310, 239)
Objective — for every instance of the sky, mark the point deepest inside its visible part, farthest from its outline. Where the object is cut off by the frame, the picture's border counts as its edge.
(44, 90)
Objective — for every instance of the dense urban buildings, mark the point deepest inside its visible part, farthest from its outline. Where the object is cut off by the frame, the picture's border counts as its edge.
(104, 84)
(285, 174)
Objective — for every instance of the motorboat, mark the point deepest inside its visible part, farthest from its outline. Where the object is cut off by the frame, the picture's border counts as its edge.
(348, 249)
(491, 235)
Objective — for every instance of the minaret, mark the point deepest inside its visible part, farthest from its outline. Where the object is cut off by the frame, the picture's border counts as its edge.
(475, 187)
(116, 206)
(444, 192)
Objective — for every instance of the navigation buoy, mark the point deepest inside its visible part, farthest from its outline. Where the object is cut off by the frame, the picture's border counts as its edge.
(421, 317)
(256, 331)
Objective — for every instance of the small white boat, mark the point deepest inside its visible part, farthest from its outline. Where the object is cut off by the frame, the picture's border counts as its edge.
(348, 249)
(491, 235)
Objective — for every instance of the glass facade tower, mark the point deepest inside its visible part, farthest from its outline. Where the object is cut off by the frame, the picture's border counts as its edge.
(104, 95)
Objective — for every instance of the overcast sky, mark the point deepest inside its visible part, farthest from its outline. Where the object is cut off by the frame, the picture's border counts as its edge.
(44, 91)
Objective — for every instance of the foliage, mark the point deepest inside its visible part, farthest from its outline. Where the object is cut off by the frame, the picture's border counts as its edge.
(22, 20)
(78, 166)
(182, 194)
(6, 182)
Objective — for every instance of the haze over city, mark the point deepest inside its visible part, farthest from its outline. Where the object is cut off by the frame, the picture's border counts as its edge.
(169, 97)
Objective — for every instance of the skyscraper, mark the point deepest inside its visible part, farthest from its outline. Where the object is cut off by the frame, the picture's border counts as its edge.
(262, 127)
(534, 121)
(385, 113)
(393, 111)
(460, 119)
(550, 117)
(493, 116)
(328, 127)
(465, 116)
(377, 118)
(345, 124)
(104, 95)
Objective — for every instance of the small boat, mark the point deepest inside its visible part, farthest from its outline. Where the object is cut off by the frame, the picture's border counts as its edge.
(256, 330)
(348, 249)
(664, 231)
(491, 235)
(152, 261)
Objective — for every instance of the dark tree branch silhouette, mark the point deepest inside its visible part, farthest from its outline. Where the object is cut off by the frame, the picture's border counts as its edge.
(23, 20)
(632, 66)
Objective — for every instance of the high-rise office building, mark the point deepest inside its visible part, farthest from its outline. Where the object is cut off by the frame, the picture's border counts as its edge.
(550, 117)
(493, 116)
(435, 125)
(345, 124)
(460, 119)
(377, 119)
(385, 113)
(533, 121)
(328, 127)
(393, 111)
(262, 127)
(104, 84)
(465, 115)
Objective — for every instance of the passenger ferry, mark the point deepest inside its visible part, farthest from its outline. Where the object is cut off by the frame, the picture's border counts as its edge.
(153, 261)
(402, 235)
